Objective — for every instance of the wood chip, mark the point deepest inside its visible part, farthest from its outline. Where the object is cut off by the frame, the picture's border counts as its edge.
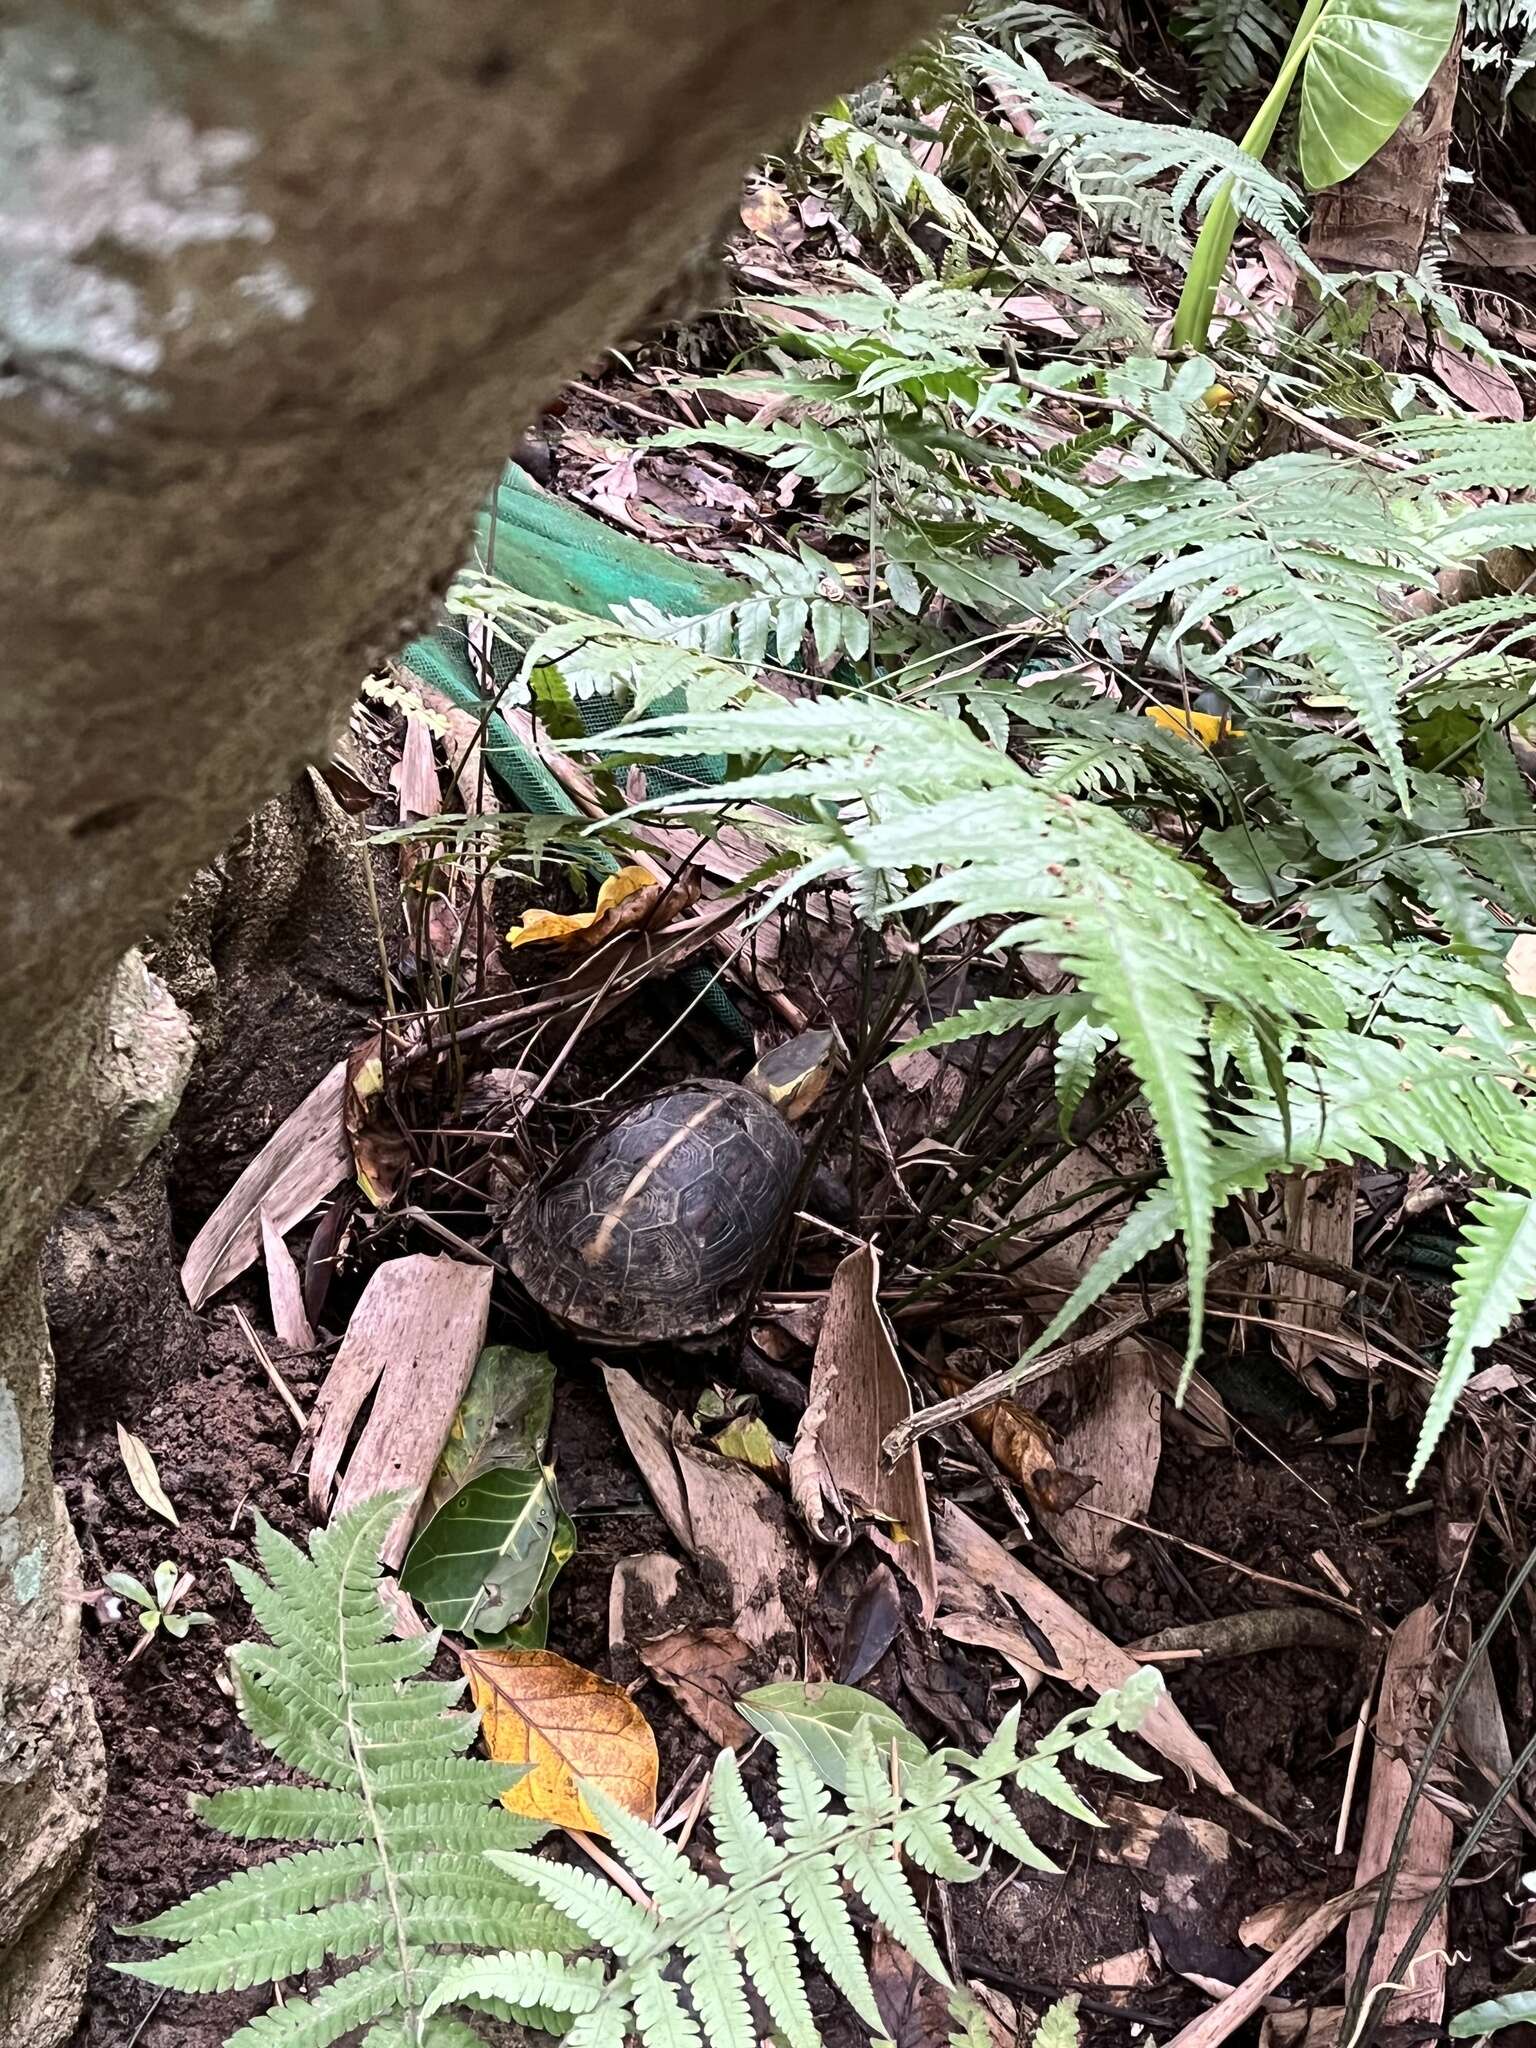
(859, 1394)
(285, 1290)
(291, 1175)
(1406, 1702)
(416, 777)
(415, 1335)
(1317, 1215)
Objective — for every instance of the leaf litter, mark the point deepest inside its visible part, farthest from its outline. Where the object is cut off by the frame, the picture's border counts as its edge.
(783, 1573)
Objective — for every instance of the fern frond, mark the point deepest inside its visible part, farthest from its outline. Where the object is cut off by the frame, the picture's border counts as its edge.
(1148, 940)
(1495, 1280)
(1236, 44)
(711, 1940)
(335, 1694)
(1110, 156)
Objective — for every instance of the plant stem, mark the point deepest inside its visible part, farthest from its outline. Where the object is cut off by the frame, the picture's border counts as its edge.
(1197, 303)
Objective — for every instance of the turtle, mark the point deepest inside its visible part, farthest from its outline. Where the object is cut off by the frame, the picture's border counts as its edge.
(657, 1226)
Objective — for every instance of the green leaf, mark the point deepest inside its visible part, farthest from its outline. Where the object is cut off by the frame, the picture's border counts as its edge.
(479, 1562)
(127, 1587)
(1506, 2011)
(988, 1018)
(820, 1724)
(1369, 63)
(503, 1419)
(1059, 2025)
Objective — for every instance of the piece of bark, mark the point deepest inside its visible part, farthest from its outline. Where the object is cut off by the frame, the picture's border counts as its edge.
(227, 494)
(1382, 217)
(1086, 1659)
(420, 794)
(291, 1175)
(859, 1394)
(1317, 1215)
(1406, 1696)
(1117, 1439)
(415, 1334)
(285, 1290)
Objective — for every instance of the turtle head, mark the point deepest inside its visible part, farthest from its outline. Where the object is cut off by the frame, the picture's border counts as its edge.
(794, 1074)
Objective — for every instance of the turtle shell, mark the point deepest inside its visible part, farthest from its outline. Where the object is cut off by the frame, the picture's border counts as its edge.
(657, 1227)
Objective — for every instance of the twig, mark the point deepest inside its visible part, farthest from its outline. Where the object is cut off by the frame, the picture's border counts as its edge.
(1094, 401)
(614, 1872)
(1356, 1749)
(153, 2007)
(1325, 437)
(1227, 1563)
(264, 1360)
(998, 1386)
(1250, 1633)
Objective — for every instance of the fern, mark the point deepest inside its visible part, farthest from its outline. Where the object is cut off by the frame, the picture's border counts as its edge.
(403, 1814)
(685, 1970)
(1113, 160)
(1149, 941)
(1238, 45)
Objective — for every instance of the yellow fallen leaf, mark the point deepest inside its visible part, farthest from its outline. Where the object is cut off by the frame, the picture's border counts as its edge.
(552, 927)
(565, 1724)
(1200, 728)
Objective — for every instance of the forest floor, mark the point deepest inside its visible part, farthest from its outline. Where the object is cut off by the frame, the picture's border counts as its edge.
(1268, 1514)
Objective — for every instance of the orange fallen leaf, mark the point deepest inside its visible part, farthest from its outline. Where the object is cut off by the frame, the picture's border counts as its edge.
(584, 927)
(566, 1724)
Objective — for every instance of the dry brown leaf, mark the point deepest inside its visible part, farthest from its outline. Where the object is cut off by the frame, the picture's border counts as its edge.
(285, 1290)
(1117, 1439)
(144, 1475)
(858, 1395)
(1406, 1679)
(1315, 2026)
(416, 1332)
(652, 1607)
(291, 1175)
(1086, 1659)
(1274, 1924)
(381, 1156)
(1127, 1971)
(1135, 1825)
(565, 1724)
(767, 214)
(719, 1511)
(705, 1669)
(1487, 388)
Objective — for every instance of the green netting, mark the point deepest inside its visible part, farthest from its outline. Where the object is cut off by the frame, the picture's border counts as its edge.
(549, 550)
